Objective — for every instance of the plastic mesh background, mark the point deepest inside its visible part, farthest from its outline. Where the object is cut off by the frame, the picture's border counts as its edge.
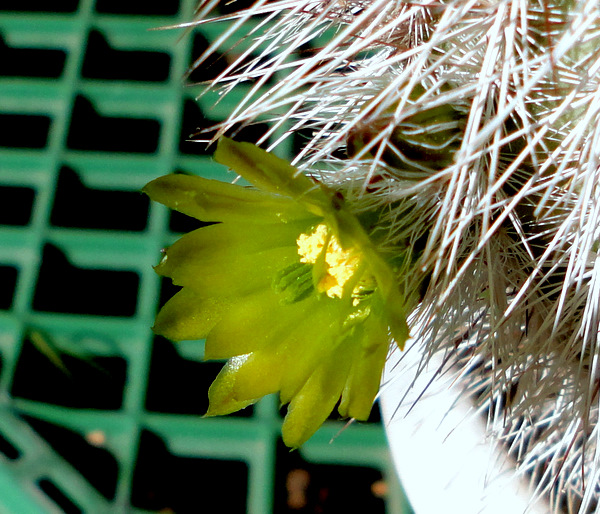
(96, 413)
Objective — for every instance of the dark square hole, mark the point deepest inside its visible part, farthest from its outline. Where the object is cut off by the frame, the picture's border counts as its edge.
(374, 417)
(24, 130)
(72, 381)
(216, 63)
(31, 62)
(64, 6)
(180, 386)
(169, 483)
(17, 205)
(62, 287)
(77, 206)
(182, 224)
(196, 128)
(94, 132)
(107, 63)
(195, 125)
(210, 68)
(9, 450)
(139, 7)
(167, 290)
(307, 487)
(57, 496)
(97, 465)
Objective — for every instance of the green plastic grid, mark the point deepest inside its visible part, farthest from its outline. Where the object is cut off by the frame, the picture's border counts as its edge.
(79, 294)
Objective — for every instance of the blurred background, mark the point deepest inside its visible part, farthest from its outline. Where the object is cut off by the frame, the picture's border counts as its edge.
(96, 413)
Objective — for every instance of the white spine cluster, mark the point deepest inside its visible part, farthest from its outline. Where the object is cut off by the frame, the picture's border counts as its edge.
(474, 125)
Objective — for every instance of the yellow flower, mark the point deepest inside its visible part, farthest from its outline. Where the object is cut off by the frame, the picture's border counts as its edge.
(288, 286)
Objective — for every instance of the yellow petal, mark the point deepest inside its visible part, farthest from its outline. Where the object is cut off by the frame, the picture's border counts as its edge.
(187, 316)
(317, 398)
(270, 173)
(370, 350)
(227, 268)
(244, 327)
(243, 381)
(212, 200)
(388, 300)
(257, 322)
(311, 342)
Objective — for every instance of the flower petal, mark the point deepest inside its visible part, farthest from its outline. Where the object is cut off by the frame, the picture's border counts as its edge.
(389, 301)
(245, 327)
(317, 398)
(212, 200)
(301, 336)
(310, 342)
(249, 325)
(243, 381)
(270, 173)
(235, 238)
(228, 268)
(187, 316)
(369, 354)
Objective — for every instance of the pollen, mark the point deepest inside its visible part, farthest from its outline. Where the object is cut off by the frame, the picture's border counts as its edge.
(341, 263)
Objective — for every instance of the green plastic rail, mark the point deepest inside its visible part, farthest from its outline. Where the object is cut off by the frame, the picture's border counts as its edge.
(96, 414)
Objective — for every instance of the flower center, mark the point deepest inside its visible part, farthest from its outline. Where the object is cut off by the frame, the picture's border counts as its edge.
(340, 264)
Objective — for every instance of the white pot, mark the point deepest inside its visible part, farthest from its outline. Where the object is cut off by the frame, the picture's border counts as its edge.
(445, 461)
